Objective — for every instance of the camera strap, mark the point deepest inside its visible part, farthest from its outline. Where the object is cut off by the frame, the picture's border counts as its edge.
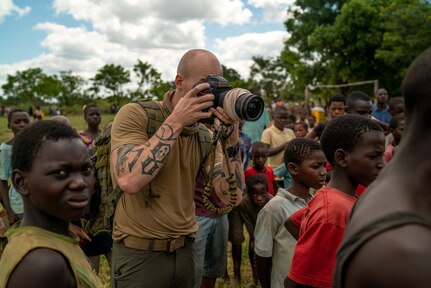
(219, 135)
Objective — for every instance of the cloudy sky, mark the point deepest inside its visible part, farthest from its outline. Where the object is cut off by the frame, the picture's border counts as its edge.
(84, 35)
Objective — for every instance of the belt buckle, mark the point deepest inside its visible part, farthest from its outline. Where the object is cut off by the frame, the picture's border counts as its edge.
(172, 244)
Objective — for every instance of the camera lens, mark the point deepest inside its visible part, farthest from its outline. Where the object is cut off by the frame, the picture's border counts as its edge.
(249, 107)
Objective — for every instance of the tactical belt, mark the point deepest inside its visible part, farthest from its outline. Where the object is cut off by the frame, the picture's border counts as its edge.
(159, 245)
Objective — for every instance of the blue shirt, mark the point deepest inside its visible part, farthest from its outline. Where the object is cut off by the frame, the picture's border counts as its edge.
(255, 129)
(5, 172)
(384, 115)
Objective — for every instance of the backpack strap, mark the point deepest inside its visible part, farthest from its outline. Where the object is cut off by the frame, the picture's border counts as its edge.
(156, 117)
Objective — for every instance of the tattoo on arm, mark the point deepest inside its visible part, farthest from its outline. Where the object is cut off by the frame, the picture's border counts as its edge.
(135, 159)
(120, 166)
(218, 170)
(165, 133)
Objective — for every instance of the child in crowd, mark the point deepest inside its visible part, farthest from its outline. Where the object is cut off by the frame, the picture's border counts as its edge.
(259, 155)
(92, 116)
(53, 173)
(311, 122)
(397, 127)
(300, 129)
(354, 146)
(256, 198)
(274, 246)
(276, 137)
(335, 109)
(386, 243)
(12, 201)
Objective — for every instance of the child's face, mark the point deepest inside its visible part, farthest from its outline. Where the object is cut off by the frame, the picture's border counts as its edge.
(336, 109)
(259, 195)
(259, 157)
(312, 172)
(300, 131)
(61, 179)
(361, 108)
(311, 120)
(18, 121)
(92, 117)
(398, 132)
(366, 160)
(281, 119)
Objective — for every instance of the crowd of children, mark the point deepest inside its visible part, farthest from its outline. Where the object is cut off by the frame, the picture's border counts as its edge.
(303, 181)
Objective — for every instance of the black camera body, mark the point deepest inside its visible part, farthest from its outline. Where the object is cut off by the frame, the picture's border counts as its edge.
(238, 103)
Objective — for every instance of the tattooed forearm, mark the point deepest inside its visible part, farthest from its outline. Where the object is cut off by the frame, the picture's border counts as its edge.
(158, 156)
(120, 166)
(136, 158)
(165, 133)
(218, 170)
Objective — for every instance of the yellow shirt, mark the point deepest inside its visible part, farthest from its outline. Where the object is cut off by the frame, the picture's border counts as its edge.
(22, 240)
(276, 137)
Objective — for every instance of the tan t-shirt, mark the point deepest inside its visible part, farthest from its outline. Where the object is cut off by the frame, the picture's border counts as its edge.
(276, 137)
(172, 214)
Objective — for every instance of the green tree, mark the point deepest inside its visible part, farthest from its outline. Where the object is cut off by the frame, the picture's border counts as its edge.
(112, 77)
(150, 83)
(345, 41)
(31, 86)
(269, 76)
(71, 88)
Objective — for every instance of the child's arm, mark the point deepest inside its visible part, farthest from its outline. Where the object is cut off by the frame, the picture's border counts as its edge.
(293, 223)
(275, 150)
(12, 218)
(264, 267)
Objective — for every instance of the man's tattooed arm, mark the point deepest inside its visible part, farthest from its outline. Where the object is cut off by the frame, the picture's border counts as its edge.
(141, 163)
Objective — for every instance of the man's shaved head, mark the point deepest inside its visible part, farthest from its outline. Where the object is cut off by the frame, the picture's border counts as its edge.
(197, 63)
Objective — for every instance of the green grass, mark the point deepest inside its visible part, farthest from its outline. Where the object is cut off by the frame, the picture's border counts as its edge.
(79, 124)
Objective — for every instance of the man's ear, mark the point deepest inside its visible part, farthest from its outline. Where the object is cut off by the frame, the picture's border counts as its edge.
(340, 157)
(179, 79)
(292, 168)
(19, 181)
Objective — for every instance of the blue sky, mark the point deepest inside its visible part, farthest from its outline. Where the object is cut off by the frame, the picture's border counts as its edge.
(83, 35)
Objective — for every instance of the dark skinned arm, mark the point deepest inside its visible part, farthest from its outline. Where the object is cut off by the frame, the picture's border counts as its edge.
(12, 218)
(264, 267)
(275, 150)
(289, 283)
(292, 228)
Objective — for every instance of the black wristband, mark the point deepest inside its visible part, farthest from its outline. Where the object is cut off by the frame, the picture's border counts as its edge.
(232, 151)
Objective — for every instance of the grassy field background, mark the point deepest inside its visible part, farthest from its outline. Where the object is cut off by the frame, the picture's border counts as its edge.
(79, 124)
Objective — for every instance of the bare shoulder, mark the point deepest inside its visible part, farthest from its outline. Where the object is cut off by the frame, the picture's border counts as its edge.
(42, 268)
(396, 258)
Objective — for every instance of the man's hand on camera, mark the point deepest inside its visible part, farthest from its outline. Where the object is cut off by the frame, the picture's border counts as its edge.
(190, 108)
(222, 117)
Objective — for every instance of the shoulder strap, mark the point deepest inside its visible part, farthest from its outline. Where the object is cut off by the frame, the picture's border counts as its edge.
(154, 113)
(156, 119)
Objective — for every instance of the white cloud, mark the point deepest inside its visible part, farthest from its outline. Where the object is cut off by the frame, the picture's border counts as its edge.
(7, 8)
(273, 10)
(237, 52)
(159, 32)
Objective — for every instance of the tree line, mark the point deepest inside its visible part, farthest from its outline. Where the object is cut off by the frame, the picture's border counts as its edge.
(330, 42)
